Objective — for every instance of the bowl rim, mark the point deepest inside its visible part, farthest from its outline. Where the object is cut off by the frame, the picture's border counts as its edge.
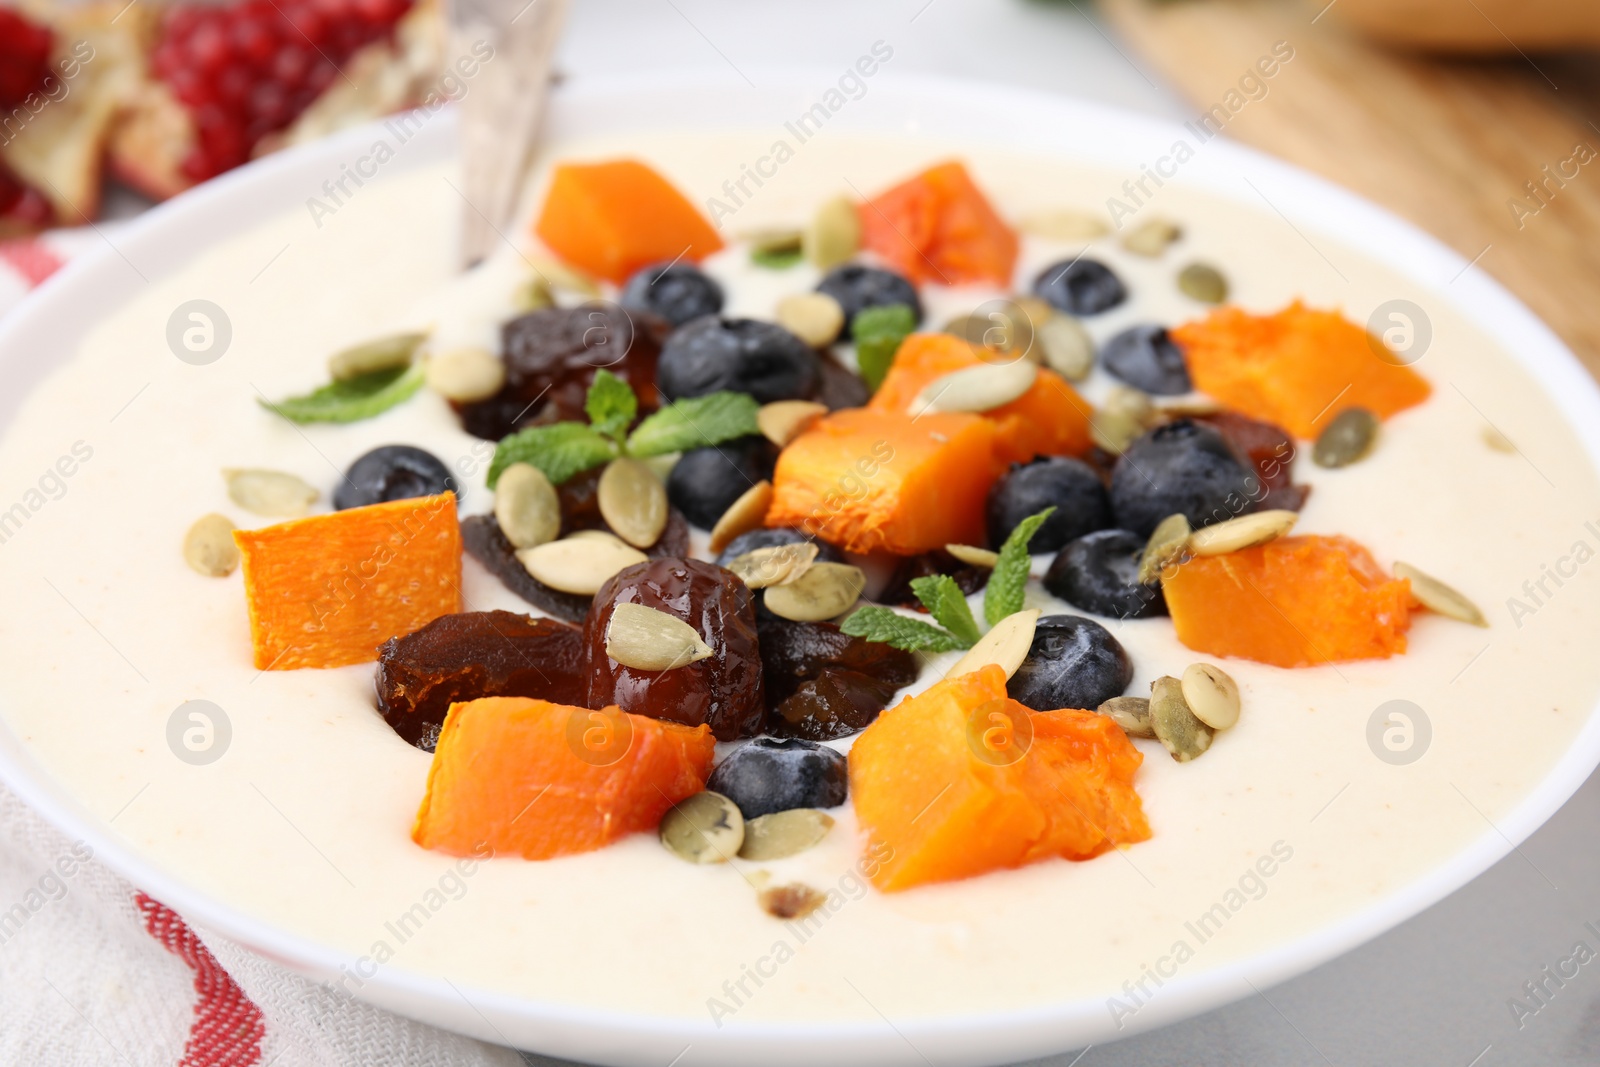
(257, 191)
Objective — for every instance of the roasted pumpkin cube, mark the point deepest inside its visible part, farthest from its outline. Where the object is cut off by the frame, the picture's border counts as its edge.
(1050, 419)
(939, 227)
(1293, 602)
(868, 480)
(613, 218)
(1298, 368)
(327, 590)
(529, 778)
(939, 799)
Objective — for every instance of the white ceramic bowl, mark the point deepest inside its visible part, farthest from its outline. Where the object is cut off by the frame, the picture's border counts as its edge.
(49, 326)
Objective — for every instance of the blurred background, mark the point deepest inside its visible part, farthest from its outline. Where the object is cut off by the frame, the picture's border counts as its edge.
(1475, 119)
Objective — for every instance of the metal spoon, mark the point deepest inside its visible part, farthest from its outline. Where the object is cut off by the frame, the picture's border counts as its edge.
(503, 108)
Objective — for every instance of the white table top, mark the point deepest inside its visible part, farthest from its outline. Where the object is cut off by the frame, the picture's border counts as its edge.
(1436, 989)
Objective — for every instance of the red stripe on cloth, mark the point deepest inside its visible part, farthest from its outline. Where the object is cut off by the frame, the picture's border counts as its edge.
(227, 1028)
(31, 259)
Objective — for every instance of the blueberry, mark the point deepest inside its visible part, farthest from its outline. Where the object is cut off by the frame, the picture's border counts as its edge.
(776, 774)
(749, 542)
(1069, 485)
(677, 292)
(706, 481)
(856, 288)
(1100, 573)
(1073, 663)
(392, 472)
(1185, 468)
(711, 354)
(1080, 286)
(1146, 358)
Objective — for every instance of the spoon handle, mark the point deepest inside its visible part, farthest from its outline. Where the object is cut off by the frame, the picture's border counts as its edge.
(513, 42)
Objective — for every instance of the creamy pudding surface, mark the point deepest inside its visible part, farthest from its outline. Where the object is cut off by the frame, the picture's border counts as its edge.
(1298, 817)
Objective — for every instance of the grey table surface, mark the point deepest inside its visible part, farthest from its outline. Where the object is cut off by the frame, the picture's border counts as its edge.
(1438, 988)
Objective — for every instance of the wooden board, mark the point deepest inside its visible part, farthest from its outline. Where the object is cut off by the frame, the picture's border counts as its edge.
(1449, 144)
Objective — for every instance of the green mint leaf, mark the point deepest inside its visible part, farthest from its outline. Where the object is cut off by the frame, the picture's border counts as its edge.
(560, 450)
(694, 422)
(353, 399)
(775, 258)
(1004, 595)
(610, 404)
(889, 627)
(946, 602)
(878, 332)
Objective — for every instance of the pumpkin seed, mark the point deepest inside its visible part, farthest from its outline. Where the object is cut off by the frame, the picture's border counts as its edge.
(815, 318)
(783, 420)
(1174, 725)
(704, 828)
(981, 388)
(597, 535)
(1440, 598)
(1006, 645)
(209, 548)
(633, 502)
(1126, 400)
(465, 374)
(385, 353)
(533, 295)
(834, 233)
(1065, 225)
(1498, 441)
(776, 242)
(973, 556)
(784, 833)
(1065, 347)
(743, 515)
(558, 275)
(1247, 531)
(270, 493)
(1212, 695)
(1037, 311)
(824, 591)
(1347, 439)
(1000, 329)
(1130, 713)
(1151, 238)
(578, 565)
(1114, 431)
(648, 639)
(793, 901)
(1165, 547)
(774, 565)
(526, 506)
(1203, 282)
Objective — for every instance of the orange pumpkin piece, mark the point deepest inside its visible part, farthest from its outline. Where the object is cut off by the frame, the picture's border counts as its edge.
(1049, 419)
(868, 480)
(612, 218)
(1298, 368)
(327, 590)
(534, 779)
(939, 227)
(939, 799)
(1293, 602)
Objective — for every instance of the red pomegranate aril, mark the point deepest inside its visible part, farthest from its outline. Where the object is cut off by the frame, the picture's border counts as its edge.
(253, 41)
(207, 47)
(292, 63)
(24, 57)
(248, 68)
(269, 104)
(233, 87)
